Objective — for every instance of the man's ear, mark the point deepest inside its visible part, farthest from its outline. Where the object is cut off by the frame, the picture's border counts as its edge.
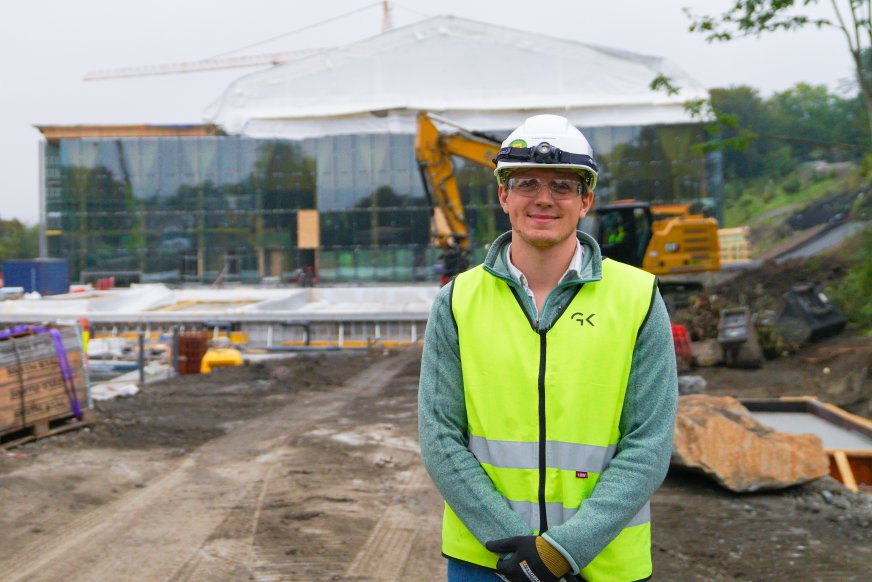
(504, 198)
(586, 204)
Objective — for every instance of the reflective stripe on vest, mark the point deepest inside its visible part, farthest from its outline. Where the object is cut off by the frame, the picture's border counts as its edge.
(565, 456)
(543, 407)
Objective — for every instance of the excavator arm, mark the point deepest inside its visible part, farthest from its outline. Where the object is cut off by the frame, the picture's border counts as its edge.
(448, 227)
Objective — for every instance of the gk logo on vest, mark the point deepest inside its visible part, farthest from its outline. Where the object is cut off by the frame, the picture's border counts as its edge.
(580, 318)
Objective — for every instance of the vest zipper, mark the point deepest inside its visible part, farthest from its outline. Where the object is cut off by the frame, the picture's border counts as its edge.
(543, 516)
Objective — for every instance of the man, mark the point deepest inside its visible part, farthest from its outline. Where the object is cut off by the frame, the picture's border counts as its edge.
(548, 386)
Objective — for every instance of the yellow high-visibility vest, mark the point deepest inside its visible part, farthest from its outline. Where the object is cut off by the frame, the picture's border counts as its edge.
(543, 408)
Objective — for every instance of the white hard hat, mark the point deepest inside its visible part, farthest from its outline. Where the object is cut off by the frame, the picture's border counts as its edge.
(547, 141)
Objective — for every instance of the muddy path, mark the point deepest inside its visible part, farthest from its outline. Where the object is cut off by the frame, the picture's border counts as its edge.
(324, 484)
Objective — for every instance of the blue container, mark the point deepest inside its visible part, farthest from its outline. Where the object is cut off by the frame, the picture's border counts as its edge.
(47, 276)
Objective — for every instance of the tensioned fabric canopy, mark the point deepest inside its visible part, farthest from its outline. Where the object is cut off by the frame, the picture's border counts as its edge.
(482, 76)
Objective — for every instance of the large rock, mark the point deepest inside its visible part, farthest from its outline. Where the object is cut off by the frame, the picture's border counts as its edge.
(689, 384)
(706, 353)
(720, 438)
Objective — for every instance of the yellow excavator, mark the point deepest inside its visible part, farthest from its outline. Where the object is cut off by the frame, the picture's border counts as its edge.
(449, 231)
(663, 239)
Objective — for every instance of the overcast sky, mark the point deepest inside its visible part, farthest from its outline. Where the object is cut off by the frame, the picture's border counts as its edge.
(47, 47)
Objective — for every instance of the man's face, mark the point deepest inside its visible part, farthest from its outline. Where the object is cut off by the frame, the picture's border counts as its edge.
(540, 219)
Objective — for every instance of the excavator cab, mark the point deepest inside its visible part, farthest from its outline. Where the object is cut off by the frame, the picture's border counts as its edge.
(661, 239)
(623, 231)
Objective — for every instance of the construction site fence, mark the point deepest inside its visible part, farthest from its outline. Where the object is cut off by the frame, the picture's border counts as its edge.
(254, 334)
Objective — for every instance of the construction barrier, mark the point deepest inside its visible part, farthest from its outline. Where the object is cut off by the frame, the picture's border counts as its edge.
(683, 355)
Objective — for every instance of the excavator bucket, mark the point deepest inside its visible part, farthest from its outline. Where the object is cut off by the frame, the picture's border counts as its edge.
(808, 315)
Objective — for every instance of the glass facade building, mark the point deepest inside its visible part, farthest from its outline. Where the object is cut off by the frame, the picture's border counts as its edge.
(192, 207)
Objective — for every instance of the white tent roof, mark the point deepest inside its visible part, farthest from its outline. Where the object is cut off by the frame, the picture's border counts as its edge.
(483, 76)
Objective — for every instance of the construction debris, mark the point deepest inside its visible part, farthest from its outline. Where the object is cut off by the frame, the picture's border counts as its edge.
(706, 353)
(808, 315)
(738, 339)
(688, 384)
(718, 437)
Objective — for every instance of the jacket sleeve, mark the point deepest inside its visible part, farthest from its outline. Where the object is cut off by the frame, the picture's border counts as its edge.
(442, 426)
(642, 457)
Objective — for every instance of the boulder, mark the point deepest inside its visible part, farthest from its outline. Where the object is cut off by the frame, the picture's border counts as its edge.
(718, 437)
(706, 353)
(688, 384)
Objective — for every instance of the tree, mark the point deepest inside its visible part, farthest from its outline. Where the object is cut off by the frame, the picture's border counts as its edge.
(756, 17)
(813, 115)
(745, 105)
(17, 240)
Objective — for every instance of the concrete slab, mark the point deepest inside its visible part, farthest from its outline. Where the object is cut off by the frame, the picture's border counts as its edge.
(833, 436)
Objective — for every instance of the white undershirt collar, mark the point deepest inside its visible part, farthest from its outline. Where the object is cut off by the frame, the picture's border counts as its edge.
(573, 270)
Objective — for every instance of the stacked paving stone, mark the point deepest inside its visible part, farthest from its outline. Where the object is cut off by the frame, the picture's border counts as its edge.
(33, 390)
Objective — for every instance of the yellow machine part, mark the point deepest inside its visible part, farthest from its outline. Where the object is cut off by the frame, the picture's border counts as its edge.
(686, 244)
(433, 151)
(220, 357)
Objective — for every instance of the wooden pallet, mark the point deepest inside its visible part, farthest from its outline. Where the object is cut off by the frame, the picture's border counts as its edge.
(39, 429)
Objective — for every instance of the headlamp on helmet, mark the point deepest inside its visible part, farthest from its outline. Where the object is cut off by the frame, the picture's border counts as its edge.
(559, 146)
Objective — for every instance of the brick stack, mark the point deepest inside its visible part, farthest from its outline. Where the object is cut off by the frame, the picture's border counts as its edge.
(33, 391)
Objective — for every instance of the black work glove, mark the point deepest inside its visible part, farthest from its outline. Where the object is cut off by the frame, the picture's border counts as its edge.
(530, 559)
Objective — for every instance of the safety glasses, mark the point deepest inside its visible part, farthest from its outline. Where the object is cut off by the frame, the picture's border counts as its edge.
(561, 189)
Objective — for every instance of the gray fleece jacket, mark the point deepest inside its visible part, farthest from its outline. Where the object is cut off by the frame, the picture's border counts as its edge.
(647, 423)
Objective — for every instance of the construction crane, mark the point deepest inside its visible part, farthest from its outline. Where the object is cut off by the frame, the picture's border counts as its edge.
(224, 61)
(203, 65)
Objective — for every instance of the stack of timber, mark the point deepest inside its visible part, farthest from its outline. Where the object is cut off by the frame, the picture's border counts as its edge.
(735, 245)
(43, 385)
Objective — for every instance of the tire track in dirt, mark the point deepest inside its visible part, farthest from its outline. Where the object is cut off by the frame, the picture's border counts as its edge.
(162, 532)
(384, 555)
(229, 551)
(359, 515)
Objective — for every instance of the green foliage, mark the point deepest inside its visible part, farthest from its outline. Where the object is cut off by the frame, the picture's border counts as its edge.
(800, 124)
(755, 17)
(17, 240)
(663, 83)
(754, 201)
(815, 119)
(771, 343)
(866, 167)
(851, 294)
(792, 185)
(853, 18)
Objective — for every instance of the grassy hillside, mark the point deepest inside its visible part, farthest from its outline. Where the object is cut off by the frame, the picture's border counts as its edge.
(761, 201)
(813, 197)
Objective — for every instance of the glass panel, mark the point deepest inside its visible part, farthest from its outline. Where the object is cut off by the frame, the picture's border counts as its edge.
(169, 164)
(152, 203)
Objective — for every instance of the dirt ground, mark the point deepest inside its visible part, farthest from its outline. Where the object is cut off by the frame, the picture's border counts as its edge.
(307, 469)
